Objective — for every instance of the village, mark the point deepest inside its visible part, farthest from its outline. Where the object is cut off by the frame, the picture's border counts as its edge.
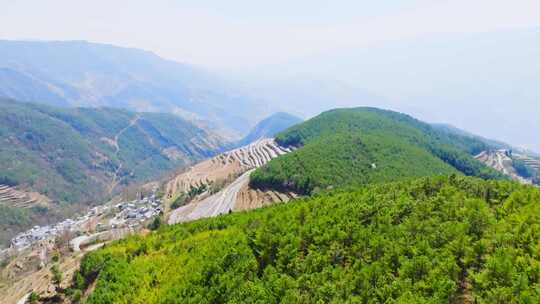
(130, 214)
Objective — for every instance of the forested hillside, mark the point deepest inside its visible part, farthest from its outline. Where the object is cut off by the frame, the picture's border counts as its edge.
(433, 240)
(363, 145)
(83, 155)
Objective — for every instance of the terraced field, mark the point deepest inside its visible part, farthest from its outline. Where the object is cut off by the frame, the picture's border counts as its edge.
(225, 166)
(12, 197)
(529, 161)
(249, 198)
(232, 169)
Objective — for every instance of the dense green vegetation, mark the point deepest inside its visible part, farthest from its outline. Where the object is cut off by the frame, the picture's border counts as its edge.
(13, 220)
(363, 145)
(70, 155)
(430, 240)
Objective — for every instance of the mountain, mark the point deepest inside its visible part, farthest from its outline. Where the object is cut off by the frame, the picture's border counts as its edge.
(519, 164)
(365, 145)
(452, 130)
(270, 126)
(77, 156)
(432, 240)
(78, 73)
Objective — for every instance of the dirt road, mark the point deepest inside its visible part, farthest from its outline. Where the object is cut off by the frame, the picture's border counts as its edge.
(115, 180)
(219, 203)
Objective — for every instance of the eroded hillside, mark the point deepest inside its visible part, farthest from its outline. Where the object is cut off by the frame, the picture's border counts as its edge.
(519, 167)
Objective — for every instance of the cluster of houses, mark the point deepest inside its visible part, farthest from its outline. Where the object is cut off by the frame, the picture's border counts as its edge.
(127, 214)
(132, 214)
(49, 232)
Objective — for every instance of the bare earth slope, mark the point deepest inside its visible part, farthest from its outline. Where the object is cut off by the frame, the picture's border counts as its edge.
(236, 164)
(500, 161)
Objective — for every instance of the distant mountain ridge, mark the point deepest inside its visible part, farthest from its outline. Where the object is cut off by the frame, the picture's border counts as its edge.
(450, 129)
(270, 126)
(79, 73)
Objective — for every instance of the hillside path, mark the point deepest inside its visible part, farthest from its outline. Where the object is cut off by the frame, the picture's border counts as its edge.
(219, 203)
(115, 180)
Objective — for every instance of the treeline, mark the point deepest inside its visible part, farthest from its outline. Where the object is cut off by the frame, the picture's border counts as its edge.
(432, 240)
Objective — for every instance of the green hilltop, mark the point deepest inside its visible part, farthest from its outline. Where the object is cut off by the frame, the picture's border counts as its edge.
(364, 145)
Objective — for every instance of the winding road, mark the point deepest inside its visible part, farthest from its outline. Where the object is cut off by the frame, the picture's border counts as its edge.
(219, 203)
(115, 180)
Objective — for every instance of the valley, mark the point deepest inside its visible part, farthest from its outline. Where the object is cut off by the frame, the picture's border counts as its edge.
(278, 152)
(31, 253)
(28, 260)
(55, 162)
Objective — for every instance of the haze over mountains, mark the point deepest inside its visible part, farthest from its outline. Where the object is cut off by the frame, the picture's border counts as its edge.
(233, 101)
(270, 126)
(372, 195)
(79, 73)
(480, 82)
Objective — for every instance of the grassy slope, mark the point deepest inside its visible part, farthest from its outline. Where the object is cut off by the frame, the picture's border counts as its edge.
(417, 241)
(362, 145)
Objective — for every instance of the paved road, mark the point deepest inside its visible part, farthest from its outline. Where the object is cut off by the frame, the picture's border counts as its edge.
(219, 203)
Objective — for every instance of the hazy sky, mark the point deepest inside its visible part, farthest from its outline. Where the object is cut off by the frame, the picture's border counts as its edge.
(242, 32)
(495, 94)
